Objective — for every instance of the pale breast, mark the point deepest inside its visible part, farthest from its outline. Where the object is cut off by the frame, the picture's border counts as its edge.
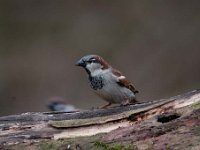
(107, 88)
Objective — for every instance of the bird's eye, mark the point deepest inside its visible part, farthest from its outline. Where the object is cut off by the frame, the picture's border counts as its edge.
(92, 60)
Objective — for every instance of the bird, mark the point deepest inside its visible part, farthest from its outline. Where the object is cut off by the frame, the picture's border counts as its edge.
(59, 104)
(108, 82)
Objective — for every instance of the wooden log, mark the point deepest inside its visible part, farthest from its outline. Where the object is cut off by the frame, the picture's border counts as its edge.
(30, 127)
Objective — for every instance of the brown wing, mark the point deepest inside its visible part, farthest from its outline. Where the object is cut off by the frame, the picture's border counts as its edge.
(123, 81)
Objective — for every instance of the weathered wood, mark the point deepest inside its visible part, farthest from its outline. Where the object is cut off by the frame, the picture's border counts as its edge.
(28, 127)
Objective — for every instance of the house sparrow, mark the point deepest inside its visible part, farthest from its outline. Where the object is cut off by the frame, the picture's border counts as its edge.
(107, 82)
(58, 104)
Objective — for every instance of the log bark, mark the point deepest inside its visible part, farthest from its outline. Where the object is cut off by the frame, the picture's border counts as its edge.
(130, 125)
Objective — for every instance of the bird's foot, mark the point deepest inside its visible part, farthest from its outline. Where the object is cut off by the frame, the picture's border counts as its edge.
(105, 106)
(125, 103)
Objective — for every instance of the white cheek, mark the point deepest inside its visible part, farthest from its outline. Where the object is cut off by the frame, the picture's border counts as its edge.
(93, 67)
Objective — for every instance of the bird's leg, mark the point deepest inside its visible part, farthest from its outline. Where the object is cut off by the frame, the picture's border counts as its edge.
(105, 106)
(130, 102)
(134, 101)
(125, 103)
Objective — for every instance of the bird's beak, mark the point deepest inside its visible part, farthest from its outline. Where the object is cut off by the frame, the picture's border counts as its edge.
(81, 63)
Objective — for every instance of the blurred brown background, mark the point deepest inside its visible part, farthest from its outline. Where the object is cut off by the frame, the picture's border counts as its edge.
(156, 44)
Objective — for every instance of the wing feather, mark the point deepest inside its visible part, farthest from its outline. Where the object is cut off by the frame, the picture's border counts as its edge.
(122, 81)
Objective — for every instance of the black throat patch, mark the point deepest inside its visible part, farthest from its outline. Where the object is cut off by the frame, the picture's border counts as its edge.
(96, 82)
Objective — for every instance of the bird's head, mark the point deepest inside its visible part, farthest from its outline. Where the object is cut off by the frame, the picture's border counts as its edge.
(92, 63)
